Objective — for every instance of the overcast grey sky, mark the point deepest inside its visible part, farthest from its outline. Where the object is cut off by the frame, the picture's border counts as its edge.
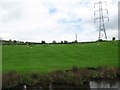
(36, 20)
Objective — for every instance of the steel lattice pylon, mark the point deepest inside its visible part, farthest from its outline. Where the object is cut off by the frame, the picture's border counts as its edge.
(102, 31)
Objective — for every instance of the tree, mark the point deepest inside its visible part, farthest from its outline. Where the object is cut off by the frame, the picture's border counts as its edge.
(76, 41)
(15, 42)
(10, 41)
(54, 42)
(61, 42)
(65, 42)
(43, 42)
(113, 38)
(100, 40)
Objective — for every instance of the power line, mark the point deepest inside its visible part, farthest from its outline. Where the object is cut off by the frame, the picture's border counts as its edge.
(102, 31)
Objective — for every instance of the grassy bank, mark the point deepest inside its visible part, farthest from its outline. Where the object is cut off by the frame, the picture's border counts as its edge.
(45, 58)
(75, 77)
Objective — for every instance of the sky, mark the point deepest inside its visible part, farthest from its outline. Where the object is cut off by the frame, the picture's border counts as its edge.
(59, 20)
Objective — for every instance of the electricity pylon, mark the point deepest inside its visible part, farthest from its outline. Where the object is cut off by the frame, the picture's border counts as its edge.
(102, 31)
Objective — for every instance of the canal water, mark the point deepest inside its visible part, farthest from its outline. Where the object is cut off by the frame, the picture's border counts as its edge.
(92, 85)
(113, 85)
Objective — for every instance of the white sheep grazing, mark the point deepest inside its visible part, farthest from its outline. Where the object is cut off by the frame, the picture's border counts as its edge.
(27, 46)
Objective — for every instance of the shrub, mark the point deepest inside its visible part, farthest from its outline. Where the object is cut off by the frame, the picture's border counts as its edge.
(95, 75)
(35, 79)
(75, 69)
(57, 76)
(75, 76)
(108, 72)
(10, 79)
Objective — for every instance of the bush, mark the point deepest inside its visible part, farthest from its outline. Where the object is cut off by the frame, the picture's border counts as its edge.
(76, 76)
(108, 72)
(57, 76)
(10, 79)
(35, 79)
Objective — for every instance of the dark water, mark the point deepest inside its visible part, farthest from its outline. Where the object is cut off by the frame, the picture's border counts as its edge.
(92, 85)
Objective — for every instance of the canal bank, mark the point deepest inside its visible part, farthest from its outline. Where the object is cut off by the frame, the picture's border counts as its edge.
(73, 78)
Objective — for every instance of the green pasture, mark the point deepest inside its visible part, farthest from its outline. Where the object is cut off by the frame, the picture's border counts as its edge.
(45, 58)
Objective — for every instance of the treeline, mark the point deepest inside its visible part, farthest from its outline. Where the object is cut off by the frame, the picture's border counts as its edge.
(15, 42)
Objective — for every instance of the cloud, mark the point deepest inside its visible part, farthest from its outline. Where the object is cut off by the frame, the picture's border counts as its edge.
(52, 10)
(36, 20)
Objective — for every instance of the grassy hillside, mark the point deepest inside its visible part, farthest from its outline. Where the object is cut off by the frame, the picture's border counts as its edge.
(45, 58)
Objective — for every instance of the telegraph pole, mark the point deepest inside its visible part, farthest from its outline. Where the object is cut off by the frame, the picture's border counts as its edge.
(76, 36)
(101, 18)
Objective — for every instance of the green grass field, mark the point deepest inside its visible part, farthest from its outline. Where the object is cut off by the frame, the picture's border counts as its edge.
(45, 58)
